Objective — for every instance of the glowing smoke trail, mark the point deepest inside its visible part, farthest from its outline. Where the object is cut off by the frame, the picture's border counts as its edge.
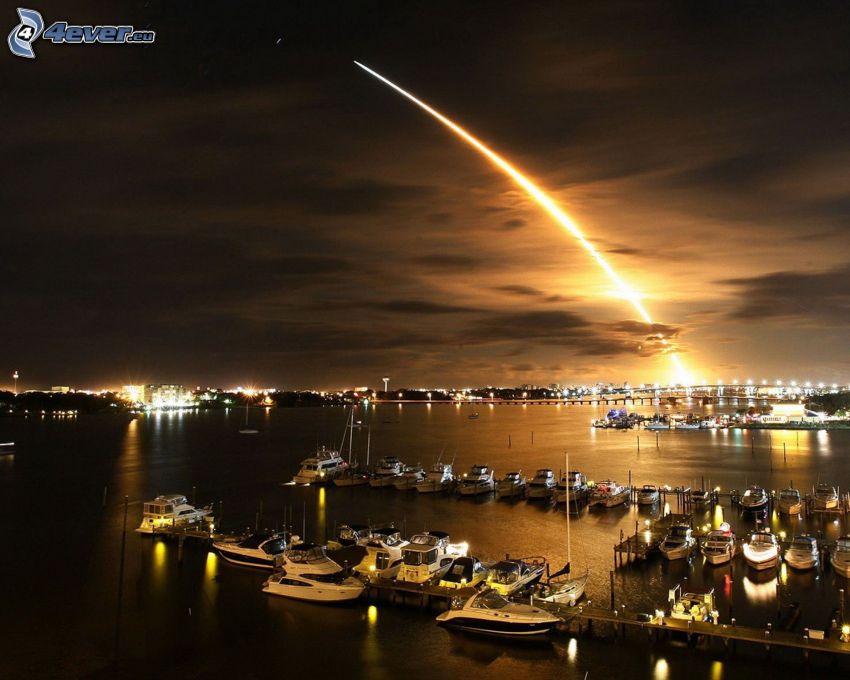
(542, 199)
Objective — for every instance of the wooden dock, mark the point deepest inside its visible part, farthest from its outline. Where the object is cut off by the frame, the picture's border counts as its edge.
(421, 594)
(644, 542)
(584, 617)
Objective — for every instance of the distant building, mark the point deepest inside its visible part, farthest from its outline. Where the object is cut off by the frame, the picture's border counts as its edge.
(166, 396)
(61, 389)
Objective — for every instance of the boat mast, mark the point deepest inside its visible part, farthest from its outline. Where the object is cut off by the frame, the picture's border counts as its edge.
(368, 444)
(350, 435)
(567, 462)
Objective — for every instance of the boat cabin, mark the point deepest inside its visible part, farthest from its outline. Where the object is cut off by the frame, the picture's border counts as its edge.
(696, 605)
(464, 572)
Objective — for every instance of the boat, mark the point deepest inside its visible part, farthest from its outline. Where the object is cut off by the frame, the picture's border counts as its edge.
(247, 429)
(305, 572)
(678, 542)
(561, 587)
(383, 553)
(477, 481)
(754, 498)
(349, 535)
(697, 605)
(464, 572)
(353, 475)
(840, 559)
(708, 424)
(508, 577)
(699, 496)
(512, 485)
(7, 448)
(438, 478)
(571, 487)
(169, 511)
(687, 426)
(259, 549)
(428, 556)
(720, 546)
(802, 553)
(321, 468)
(488, 613)
(826, 497)
(761, 551)
(386, 471)
(790, 501)
(541, 485)
(656, 426)
(609, 494)
(648, 495)
(410, 476)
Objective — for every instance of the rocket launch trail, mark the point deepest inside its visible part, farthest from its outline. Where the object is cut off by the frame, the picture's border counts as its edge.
(541, 198)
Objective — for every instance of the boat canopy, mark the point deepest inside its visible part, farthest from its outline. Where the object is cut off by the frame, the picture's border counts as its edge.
(463, 569)
(305, 552)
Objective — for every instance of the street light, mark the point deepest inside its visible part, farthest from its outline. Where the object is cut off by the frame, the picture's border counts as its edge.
(15, 378)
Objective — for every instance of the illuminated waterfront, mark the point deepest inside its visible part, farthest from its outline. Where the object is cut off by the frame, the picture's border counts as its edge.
(211, 616)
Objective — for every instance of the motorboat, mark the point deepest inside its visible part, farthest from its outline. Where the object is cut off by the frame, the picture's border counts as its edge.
(720, 546)
(802, 553)
(428, 556)
(761, 551)
(754, 499)
(687, 426)
(488, 613)
(571, 487)
(169, 511)
(383, 553)
(438, 478)
(541, 485)
(508, 577)
(657, 425)
(648, 495)
(386, 471)
(678, 542)
(609, 494)
(512, 485)
(840, 559)
(305, 572)
(697, 605)
(464, 572)
(410, 476)
(325, 466)
(259, 549)
(826, 497)
(790, 501)
(478, 480)
(699, 496)
(708, 424)
(349, 535)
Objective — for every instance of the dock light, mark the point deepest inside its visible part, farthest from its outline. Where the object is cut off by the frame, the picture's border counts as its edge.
(646, 522)
(782, 535)
(845, 633)
(371, 567)
(659, 614)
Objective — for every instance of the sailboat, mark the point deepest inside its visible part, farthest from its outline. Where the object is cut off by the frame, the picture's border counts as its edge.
(246, 429)
(560, 587)
(353, 475)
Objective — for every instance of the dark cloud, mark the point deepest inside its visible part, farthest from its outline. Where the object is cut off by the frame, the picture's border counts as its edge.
(518, 289)
(420, 307)
(447, 261)
(512, 225)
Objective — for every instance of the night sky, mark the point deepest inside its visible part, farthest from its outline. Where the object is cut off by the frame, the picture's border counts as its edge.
(239, 204)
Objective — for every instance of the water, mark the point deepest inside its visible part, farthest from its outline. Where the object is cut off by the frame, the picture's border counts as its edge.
(206, 618)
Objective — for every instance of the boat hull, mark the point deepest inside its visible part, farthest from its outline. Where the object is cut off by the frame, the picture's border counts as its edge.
(718, 558)
(678, 553)
(790, 508)
(476, 489)
(802, 562)
(762, 565)
(512, 491)
(383, 481)
(431, 487)
(323, 594)
(539, 492)
(841, 567)
(498, 628)
(351, 481)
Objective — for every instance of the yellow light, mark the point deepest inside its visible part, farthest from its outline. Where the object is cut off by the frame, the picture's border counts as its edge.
(371, 567)
(572, 649)
(661, 670)
(372, 614)
(544, 201)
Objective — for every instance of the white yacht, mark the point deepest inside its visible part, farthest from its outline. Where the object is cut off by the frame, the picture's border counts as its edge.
(720, 546)
(410, 476)
(477, 481)
(322, 468)
(349, 535)
(438, 478)
(512, 485)
(387, 470)
(488, 613)
(428, 556)
(840, 559)
(305, 572)
(790, 502)
(754, 498)
(609, 494)
(657, 425)
(687, 425)
(542, 484)
(513, 576)
(826, 497)
(678, 542)
(762, 550)
(648, 495)
(571, 487)
(257, 550)
(802, 553)
(383, 553)
(171, 511)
